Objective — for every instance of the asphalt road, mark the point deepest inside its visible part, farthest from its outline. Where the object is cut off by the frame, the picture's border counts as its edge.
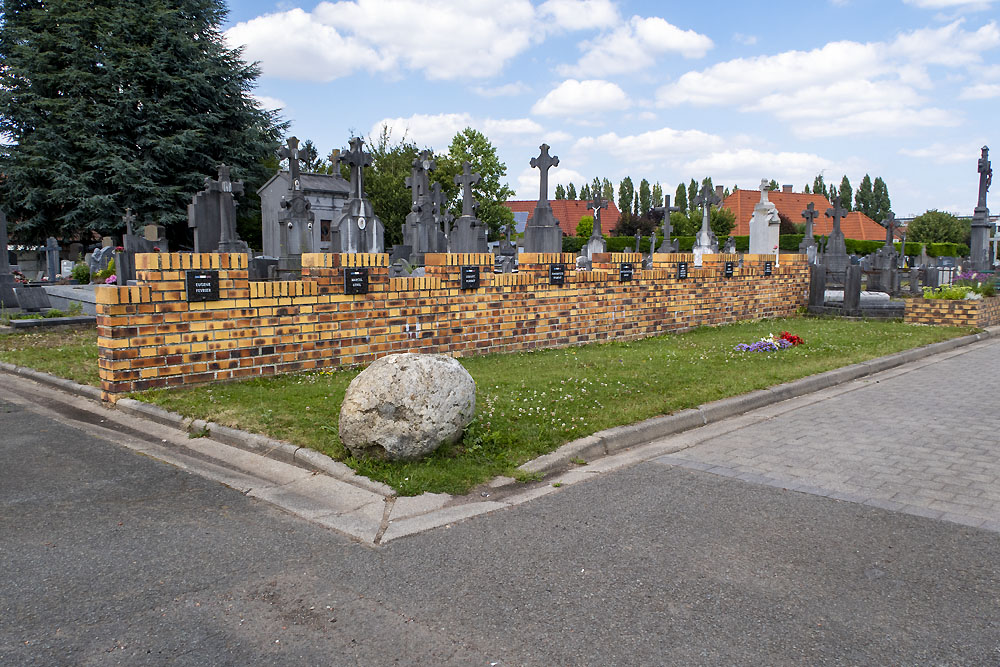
(111, 557)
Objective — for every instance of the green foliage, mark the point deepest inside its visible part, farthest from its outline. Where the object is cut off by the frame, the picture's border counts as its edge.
(819, 187)
(607, 190)
(846, 193)
(585, 227)
(492, 191)
(864, 198)
(573, 244)
(950, 292)
(936, 226)
(681, 200)
(109, 105)
(947, 249)
(626, 193)
(882, 204)
(385, 182)
(80, 273)
(105, 273)
(773, 185)
(645, 197)
(692, 195)
(786, 226)
(560, 192)
(722, 222)
(571, 192)
(657, 194)
(585, 193)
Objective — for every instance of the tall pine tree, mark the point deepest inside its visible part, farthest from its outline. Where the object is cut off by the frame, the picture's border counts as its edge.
(882, 205)
(846, 194)
(645, 197)
(571, 192)
(681, 199)
(864, 198)
(111, 104)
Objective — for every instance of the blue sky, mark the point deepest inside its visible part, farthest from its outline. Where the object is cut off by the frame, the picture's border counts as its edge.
(908, 90)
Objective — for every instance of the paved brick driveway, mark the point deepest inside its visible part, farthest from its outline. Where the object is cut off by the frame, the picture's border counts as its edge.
(923, 439)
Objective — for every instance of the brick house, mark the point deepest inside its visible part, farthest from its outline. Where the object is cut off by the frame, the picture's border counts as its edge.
(855, 225)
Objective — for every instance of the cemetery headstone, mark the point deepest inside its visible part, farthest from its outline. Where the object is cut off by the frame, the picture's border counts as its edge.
(705, 242)
(765, 225)
(52, 257)
(542, 234)
(817, 285)
(7, 297)
(807, 246)
(505, 260)
(100, 259)
(979, 241)
(469, 233)
(665, 211)
(32, 299)
(212, 214)
(361, 231)
(595, 244)
(730, 246)
(886, 260)
(295, 225)
(420, 230)
(852, 290)
(835, 257)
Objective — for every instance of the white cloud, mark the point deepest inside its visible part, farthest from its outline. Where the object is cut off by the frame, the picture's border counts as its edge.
(337, 39)
(437, 130)
(657, 145)
(505, 90)
(579, 14)
(948, 45)
(269, 103)
(880, 121)
(633, 46)
(980, 91)
(941, 152)
(575, 98)
(749, 165)
(529, 181)
(746, 40)
(950, 4)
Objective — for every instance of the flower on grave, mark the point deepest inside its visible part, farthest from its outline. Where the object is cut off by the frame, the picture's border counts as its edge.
(156, 248)
(119, 248)
(111, 280)
(19, 277)
(771, 344)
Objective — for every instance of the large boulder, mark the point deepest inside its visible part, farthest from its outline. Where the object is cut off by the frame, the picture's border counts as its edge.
(404, 406)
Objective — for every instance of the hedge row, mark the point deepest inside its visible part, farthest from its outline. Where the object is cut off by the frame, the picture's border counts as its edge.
(787, 243)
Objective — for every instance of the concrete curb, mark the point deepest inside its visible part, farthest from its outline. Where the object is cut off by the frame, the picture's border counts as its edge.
(612, 440)
(53, 381)
(70, 320)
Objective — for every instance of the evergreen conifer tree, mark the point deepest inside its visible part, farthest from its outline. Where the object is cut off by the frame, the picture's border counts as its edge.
(560, 192)
(680, 199)
(864, 198)
(571, 192)
(846, 194)
(111, 104)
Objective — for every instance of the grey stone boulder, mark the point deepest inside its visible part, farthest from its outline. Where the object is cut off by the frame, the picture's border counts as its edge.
(404, 406)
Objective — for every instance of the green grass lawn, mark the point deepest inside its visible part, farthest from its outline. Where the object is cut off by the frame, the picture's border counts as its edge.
(69, 353)
(528, 404)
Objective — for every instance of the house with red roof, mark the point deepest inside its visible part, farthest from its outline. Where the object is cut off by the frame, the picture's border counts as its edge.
(567, 211)
(855, 225)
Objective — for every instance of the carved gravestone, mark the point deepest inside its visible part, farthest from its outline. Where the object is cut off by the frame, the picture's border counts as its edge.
(32, 299)
(421, 233)
(807, 246)
(542, 234)
(360, 229)
(506, 257)
(212, 215)
(765, 225)
(730, 247)
(979, 243)
(835, 257)
(706, 242)
(668, 245)
(7, 297)
(595, 244)
(296, 223)
(51, 258)
(469, 233)
(886, 260)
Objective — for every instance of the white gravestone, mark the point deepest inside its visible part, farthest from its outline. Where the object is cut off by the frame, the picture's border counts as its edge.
(765, 225)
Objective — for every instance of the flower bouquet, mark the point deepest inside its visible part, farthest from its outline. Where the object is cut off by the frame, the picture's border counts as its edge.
(771, 344)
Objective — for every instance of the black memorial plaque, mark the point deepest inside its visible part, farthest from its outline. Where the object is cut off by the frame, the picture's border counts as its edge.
(557, 274)
(768, 268)
(356, 281)
(682, 270)
(470, 277)
(202, 285)
(625, 272)
(729, 269)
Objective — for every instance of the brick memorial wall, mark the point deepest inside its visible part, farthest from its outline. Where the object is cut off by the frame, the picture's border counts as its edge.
(197, 318)
(954, 312)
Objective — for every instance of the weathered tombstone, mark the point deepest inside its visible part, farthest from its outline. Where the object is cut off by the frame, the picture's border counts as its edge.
(835, 257)
(32, 299)
(808, 245)
(506, 257)
(542, 234)
(886, 261)
(469, 233)
(979, 243)
(75, 252)
(156, 235)
(705, 241)
(595, 244)
(647, 261)
(100, 259)
(295, 225)
(852, 290)
(52, 257)
(765, 225)
(420, 230)
(7, 297)
(730, 247)
(817, 285)
(665, 210)
(440, 218)
(360, 229)
(638, 239)
(107, 242)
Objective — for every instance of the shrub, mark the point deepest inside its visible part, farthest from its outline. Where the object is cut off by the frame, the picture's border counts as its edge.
(102, 275)
(81, 273)
(585, 227)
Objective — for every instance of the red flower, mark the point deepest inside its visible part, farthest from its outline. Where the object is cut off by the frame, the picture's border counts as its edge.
(791, 338)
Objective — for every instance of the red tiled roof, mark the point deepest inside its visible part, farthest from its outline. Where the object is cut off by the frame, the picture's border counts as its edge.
(568, 212)
(855, 225)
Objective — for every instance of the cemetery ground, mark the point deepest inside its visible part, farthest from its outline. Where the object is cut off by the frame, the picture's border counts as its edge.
(528, 404)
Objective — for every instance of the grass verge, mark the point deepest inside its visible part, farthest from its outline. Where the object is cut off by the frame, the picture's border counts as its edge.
(529, 403)
(69, 353)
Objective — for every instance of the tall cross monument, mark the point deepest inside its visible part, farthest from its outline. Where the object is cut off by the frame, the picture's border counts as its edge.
(979, 242)
(542, 233)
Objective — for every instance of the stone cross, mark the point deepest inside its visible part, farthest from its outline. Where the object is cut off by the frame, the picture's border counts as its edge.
(666, 210)
(543, 163)
(356, 159)
(764, 188)
(810, 215)
(417, 180)
(128, 219)
(985, 177)
(706, 198)
(510, 230)
(52, 257)
(596, 205)
(292, 154)
(891, 224)
(226, 186)
(836, 212)
(467, 179)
